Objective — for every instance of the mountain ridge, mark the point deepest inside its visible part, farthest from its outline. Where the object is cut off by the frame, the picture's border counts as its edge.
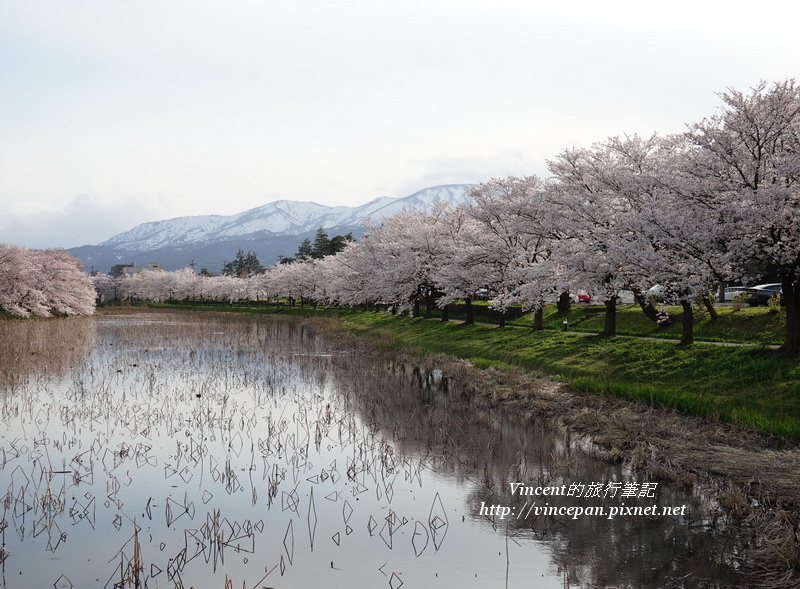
(268, 230)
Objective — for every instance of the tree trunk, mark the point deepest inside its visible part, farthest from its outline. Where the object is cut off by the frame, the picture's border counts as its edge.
(687, 337)
(712, 310)
(610, 328)
(647, 307)
(791, 299)
(445, 313)
(415, 313)
(563, 303)
(502, 322)
(428, 305)
(538, 319)
(469, 318)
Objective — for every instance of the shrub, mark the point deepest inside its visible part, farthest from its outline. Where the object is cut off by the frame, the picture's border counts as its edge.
(774, 303)
(739, 300)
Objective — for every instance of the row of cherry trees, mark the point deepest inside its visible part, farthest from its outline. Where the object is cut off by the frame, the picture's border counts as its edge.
(45, 283)
(717, 203)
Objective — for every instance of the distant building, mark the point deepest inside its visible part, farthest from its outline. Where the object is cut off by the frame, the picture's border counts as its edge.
(126, 270)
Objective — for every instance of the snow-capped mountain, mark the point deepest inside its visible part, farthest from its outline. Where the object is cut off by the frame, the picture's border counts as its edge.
(271, 230)
(282, 217)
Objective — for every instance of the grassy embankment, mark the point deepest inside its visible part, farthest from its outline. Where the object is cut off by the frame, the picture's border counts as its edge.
(749, 386)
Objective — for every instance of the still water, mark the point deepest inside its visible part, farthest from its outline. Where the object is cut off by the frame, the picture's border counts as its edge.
(145, 449)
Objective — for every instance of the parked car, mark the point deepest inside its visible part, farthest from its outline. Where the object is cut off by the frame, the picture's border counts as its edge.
(580, 297)
(732, 291)
(625, 297)
(760, 295)
(655, 293)
(733, 294)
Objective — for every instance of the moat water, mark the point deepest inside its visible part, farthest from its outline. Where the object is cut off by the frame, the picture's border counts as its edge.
(159, 449)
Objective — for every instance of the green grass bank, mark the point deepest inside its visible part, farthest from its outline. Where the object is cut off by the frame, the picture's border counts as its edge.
(747, 385)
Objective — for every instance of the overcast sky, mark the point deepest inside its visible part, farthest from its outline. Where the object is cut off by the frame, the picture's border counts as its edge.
(116, 113)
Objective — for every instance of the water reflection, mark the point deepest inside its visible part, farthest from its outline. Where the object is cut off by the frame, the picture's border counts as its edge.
(40, 348)
(217, 451)
(502, 460)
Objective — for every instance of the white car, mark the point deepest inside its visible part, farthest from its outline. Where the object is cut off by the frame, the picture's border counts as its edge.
(625, 297)
(732, 292)
(655, 293)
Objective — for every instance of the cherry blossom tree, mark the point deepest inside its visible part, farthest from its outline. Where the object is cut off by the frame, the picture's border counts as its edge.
(43, 283)
(19, 294)
(66, 288)
(155, 285)
(628, 226)
(686, 243)
(746, 173)
(105, 286)
(346, 277)
(400, 255)
(460, 269)
(513, 252)
(595, 245)
(300, 279)
(188, 285)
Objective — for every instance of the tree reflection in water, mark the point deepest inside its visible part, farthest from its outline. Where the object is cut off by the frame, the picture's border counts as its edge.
(488, 450)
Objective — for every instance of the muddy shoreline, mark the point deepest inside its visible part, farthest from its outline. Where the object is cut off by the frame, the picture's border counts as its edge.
(754, 477)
